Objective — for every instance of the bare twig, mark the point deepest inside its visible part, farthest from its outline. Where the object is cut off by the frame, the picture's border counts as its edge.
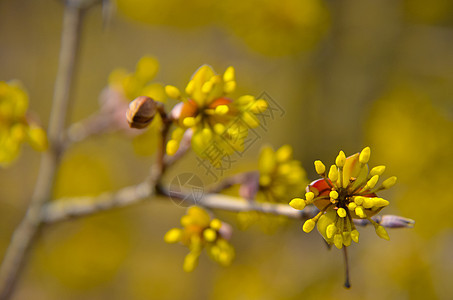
(67, 208)
(27, 229)
(93, 125)
(240, 178)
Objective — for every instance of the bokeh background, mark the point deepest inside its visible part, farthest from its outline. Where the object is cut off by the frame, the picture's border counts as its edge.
(346, 73)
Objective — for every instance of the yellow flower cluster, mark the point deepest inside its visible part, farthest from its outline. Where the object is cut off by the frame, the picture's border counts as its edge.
(346, 191)
(218, 124)
(200, 231)
(132, 85)
(15, 127)
(281, 176)
(293, 25)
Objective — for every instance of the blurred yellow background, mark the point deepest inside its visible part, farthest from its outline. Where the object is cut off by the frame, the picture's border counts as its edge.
(346, 74)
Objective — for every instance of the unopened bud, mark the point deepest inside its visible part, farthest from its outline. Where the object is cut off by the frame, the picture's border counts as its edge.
(320, 167)
(364, 156)
(309, 225)
(297, 203)
(333, 173)
(341, 159)
(377, 170)
(382, 233)
(141, 112)
(330, 231)
(389, 182)
(338, 240)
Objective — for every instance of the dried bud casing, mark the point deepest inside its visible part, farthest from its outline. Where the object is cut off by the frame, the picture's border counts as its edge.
(141, 112)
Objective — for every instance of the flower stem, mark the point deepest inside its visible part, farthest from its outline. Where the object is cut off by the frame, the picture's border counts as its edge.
(27, 230)
(347, 283)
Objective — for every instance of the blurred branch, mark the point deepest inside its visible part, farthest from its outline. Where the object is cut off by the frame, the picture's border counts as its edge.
(26, 231)
(240, 178)
(93, 125)
(67, 208)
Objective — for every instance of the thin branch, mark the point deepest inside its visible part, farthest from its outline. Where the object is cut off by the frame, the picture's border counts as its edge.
(95, 124)
(26, 231)
(68, 208)
(240, 178)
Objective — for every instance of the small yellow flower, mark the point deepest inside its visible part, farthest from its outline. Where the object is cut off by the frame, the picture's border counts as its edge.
(15, 127)
(219, 124)
(138, 83)
(347, 192)
(200, 231)
(280, 176)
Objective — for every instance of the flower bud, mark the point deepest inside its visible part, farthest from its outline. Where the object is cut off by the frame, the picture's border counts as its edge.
(141, 112)
(209, 234)
(389, 182)
(338, 240)
(377, 170)
(173, 235)
(364, 156)
(382, 233)
(330, 231)
(333, 173)
(341, 212)
(340, 160)
(308, 225)
(355, 235)
(297, 203)
(320, 167)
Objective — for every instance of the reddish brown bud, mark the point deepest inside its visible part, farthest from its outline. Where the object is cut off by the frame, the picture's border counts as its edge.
(141, 112)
